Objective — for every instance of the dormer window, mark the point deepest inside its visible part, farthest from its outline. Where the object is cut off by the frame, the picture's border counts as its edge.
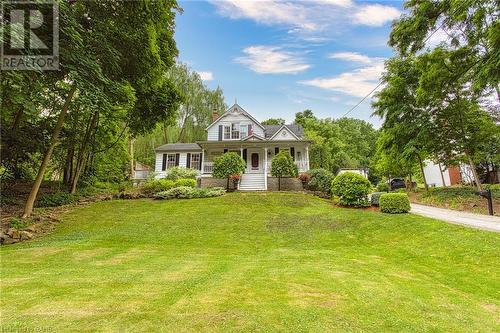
(227, 132)
(243, 131)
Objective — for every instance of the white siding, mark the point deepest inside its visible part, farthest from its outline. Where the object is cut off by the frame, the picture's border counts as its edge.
(433, 176)
(159, 161)
(284, 134)
(242, 119)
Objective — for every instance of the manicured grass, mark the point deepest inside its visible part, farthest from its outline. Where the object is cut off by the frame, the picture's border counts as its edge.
(251, 262)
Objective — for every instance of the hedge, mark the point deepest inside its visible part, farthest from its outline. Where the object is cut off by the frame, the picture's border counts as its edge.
(185, 182)
(186, 192)
(394, 203)
(375, 198)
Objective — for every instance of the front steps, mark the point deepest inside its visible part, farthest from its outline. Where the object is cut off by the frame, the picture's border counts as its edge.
(252, 182)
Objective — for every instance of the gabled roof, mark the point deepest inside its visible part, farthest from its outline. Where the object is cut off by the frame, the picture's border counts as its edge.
(253, 136)
(235, 106)
(271, 130)
(179, 147)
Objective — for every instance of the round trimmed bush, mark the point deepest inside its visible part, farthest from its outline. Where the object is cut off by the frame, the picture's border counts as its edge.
(383, 186)
(394, 203)
(320, 180)
(352, 189)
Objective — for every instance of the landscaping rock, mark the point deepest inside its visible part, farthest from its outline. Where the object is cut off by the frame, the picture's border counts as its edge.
(10, 241)
(25, 235)
(13, 233)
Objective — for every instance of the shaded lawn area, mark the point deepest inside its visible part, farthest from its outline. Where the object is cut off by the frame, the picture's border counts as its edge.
(251, 262)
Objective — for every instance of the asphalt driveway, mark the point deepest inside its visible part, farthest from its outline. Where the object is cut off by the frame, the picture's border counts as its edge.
(479, 221)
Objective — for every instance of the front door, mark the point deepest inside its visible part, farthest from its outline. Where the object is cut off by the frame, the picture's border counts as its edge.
(254, 162)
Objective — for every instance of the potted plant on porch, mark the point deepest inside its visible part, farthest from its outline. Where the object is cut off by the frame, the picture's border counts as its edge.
(236, 180)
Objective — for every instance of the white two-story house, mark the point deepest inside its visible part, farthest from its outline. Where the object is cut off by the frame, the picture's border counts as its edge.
(237, 131)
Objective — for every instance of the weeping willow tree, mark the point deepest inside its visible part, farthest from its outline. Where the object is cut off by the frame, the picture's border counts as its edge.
(193, 116)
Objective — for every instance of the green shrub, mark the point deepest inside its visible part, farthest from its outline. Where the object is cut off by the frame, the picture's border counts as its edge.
(394, 203)
(321, 180)
(56, 199)
(176, 173)
(185, 192)
(157, 185)
(352, 189)
(383, 186)
(185, 182)
(17, 223)
(282, 165)
(375, 198)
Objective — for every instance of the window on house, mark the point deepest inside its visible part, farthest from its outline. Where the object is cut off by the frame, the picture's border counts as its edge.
(170, 161)
(235, 131)
(195, 161)
(299, 156)
(243, 131)
(227, 132)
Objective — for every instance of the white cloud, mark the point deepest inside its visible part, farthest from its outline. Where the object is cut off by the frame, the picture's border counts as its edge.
(206, 76)
(267, 12)
(439, 36)
(272, 60)
(358, 82)
(375, 15)
(307, 17)
(340, 3)
(351, 56)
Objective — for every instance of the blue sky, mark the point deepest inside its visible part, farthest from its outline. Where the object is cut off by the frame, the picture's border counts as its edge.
(281, 57)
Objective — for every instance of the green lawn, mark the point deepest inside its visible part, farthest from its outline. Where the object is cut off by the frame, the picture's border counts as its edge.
(251, 262)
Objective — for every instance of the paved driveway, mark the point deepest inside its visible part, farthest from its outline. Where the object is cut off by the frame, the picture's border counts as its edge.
(478, 221)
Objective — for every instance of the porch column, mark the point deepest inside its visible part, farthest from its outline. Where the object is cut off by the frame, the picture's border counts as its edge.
(203, 153)
(265, 168)
(307, 158)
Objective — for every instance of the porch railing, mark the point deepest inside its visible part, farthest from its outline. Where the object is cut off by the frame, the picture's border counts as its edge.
(208, 167)
(301, 165)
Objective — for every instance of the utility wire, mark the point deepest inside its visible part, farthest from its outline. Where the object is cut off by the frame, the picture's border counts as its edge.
(425, 41)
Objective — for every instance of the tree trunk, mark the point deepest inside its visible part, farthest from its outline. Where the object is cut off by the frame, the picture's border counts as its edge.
(17, 119)
(30, 202)
(83, 154)
(131, 152)
(422, 171)
(227, 185)
(474, 172)
(279, 183)
(442, 175)
(68, 166)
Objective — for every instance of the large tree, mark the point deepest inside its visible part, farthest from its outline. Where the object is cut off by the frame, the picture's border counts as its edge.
(118, 50)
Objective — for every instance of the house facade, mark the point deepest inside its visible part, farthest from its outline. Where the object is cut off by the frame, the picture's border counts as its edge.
(237, 131)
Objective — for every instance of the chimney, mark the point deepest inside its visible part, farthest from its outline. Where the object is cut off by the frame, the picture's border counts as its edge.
(215, 115)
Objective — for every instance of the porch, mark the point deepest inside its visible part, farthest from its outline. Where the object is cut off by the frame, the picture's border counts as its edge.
(302, 166)
(258, 156)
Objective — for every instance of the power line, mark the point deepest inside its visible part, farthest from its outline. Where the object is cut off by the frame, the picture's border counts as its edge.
(425, 41)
